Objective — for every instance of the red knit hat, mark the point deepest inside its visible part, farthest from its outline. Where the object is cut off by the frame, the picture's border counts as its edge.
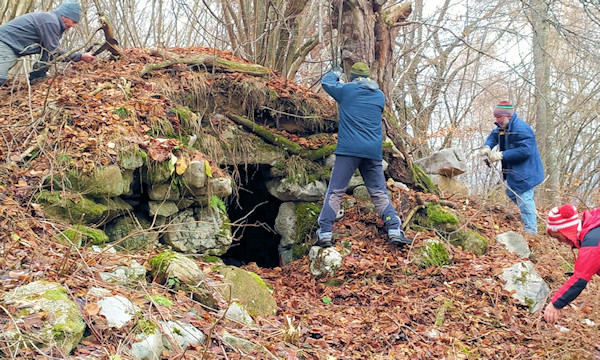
(565, 220)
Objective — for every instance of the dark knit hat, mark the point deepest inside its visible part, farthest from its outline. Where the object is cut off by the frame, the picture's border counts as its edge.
(71, 10)
(360, 69)
(504, 108)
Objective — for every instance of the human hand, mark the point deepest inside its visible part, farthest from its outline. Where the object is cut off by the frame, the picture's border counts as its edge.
(484, 151)
(88, 57)
(551, 314)
(495, 156)
(338, 71)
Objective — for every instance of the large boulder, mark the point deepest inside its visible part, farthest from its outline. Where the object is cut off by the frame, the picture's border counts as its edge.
(448, 162)
(132, 233)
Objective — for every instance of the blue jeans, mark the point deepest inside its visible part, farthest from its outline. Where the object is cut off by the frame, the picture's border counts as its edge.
(527, 205)
(8, 58)
(372, 174)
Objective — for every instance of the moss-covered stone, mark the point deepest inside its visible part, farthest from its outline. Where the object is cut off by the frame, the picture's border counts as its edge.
(80, 234)
(132, 157)
(62, 325)
(469, 241)
(306, 220)
(436, 217)
(160, 262)
(70, 207)
(156, 173)
(252, 293)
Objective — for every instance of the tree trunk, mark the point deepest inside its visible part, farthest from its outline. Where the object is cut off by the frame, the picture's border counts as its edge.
(541, 60)
(367, 34)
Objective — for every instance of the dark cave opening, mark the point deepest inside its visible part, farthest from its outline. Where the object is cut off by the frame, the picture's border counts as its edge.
(257, 240)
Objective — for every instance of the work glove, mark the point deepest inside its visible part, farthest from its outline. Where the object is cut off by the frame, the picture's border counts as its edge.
(495, 156)
(338, 71)
(484, 151)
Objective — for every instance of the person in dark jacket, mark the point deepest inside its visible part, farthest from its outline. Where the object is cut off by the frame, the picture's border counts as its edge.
(563, 223)
(360, 138)
(522, 167)
(38, 33)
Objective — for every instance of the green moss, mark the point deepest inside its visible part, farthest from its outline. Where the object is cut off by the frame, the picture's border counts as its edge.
(143, 326)
(306, 220)
(423, 181)
(334, 282)
(160, 262)
(80, 233)
(212, 259)
(70, 207)
(273, 95)
(64, 159)
(55, 294)
(253, 69)
(300, 250)
(160, 300)
(434, 253)
(436, 217)
(122, 112)
(469, 241)
(523, 277)
(260, 281)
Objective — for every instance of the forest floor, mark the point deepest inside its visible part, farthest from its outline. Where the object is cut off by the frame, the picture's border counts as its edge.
(378, 305)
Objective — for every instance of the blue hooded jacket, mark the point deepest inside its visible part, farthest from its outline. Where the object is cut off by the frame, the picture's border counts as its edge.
(361, 104)
(521, 163)
(33, 32)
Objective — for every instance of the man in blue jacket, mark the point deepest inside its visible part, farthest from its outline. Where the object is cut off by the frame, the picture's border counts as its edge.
(361, 105)
(522, 167)
(38, 33)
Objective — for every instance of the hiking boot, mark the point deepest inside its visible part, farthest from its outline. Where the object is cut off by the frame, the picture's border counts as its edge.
(398, 238)
(324, 243)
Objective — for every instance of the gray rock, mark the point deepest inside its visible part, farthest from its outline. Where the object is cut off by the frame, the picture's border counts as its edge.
(117, 310)
(324, 261)
(126, 275)
(150, 347)
(160, 192)
(184, 334)
(449, 162)
(195, 175)
(285, 190)
(530, 289)
(162, 208)
(361, 193)
(132, 233)
(200, 230)
(62, 326)
(515, 242)
(236, 312)
(285, 223)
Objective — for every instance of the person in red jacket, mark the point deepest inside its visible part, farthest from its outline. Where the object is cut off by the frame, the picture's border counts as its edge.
(563, 223)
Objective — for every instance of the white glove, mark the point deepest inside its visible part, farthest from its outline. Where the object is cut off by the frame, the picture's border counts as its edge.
(484, 151)
(495, 156)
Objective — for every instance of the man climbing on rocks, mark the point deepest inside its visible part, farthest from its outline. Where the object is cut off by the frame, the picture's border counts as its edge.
(360, 137)
(522, 167)
(563, 224)
(38, 33)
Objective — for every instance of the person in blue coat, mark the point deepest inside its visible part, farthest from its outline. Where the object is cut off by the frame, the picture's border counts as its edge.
(359, 146)
(38, 33)
(522, 167)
